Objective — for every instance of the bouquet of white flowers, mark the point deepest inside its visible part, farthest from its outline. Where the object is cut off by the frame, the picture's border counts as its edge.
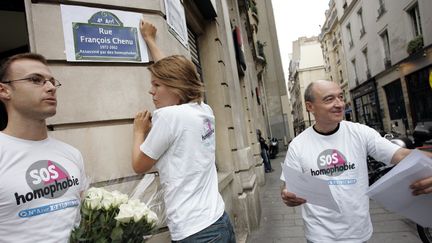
(113, 217)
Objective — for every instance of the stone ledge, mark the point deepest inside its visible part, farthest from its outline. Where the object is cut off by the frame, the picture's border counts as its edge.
(224, 179)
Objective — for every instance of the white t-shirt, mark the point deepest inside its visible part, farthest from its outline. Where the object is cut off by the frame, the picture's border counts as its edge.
(347, 149)
(182, 140)
(40, 185)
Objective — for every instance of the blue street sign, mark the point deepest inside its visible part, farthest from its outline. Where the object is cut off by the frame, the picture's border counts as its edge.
(105, 38)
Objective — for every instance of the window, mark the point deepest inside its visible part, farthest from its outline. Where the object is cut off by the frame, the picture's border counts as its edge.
(413, 12)
(360, 19)
(420, 95)
(337, 57)
(367, 109)
(386, 48)
(350, 39)
(366, 62)
(353, 63)
(194, 51)
(395, 101)
(335, 41)
(381, 8)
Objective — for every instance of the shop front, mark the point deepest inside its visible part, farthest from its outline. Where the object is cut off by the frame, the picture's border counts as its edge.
(366, 105)
(419, 85)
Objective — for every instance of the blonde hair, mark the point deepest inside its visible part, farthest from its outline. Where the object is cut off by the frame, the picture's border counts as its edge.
(179, 73)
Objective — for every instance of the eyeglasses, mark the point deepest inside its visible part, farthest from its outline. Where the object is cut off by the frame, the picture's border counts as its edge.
(38, 80)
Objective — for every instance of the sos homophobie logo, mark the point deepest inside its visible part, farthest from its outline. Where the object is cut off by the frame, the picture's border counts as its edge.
(47, 179)
(332, 162)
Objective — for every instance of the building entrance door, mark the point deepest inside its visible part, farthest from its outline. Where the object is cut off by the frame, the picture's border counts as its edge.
(14, 26)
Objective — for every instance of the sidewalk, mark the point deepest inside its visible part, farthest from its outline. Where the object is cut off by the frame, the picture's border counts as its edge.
(280, 223)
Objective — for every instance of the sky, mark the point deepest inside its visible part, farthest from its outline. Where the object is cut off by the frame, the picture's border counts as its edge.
(296, 18)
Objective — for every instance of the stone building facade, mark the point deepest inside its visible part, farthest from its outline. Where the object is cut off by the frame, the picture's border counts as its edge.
(387, 47)
(98, 100)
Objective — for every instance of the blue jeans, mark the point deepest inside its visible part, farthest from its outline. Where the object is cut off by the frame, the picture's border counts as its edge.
(221, 232)
(266, 160)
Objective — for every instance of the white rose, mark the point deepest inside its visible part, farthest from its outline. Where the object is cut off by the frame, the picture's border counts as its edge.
(119, 198)
(136, 210)
(125, 214)
(93, 198)
(139, 212)
(152, 217)
(107, 200)
(136, 203)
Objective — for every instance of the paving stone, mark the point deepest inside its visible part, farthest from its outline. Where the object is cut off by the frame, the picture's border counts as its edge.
(399, 237)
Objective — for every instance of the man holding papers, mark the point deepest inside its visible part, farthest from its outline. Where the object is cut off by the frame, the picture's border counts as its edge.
(335, 151)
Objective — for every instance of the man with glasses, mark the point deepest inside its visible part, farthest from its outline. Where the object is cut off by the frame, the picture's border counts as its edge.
(41, 178)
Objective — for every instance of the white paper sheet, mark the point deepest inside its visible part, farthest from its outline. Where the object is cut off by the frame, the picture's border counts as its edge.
(393, 192)
(314, 190)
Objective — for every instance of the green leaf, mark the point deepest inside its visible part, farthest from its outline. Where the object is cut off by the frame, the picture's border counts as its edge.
(117, 233)
(101, 240)
(85, 211)
(96, 213)
(102, 219)
(72, 238)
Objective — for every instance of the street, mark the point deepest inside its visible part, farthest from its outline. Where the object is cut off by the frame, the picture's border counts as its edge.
(280, 223)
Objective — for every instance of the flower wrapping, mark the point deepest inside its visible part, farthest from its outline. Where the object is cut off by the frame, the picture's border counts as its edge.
(113, 217)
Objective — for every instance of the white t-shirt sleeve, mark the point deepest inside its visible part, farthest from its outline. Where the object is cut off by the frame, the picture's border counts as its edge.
(378, 147)
(159, 138)
(291, 160)
(84, 180)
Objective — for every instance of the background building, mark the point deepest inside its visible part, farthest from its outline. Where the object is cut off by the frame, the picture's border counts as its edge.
(334, 55)
(98, 100)
(387, 45)
(307, 65)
